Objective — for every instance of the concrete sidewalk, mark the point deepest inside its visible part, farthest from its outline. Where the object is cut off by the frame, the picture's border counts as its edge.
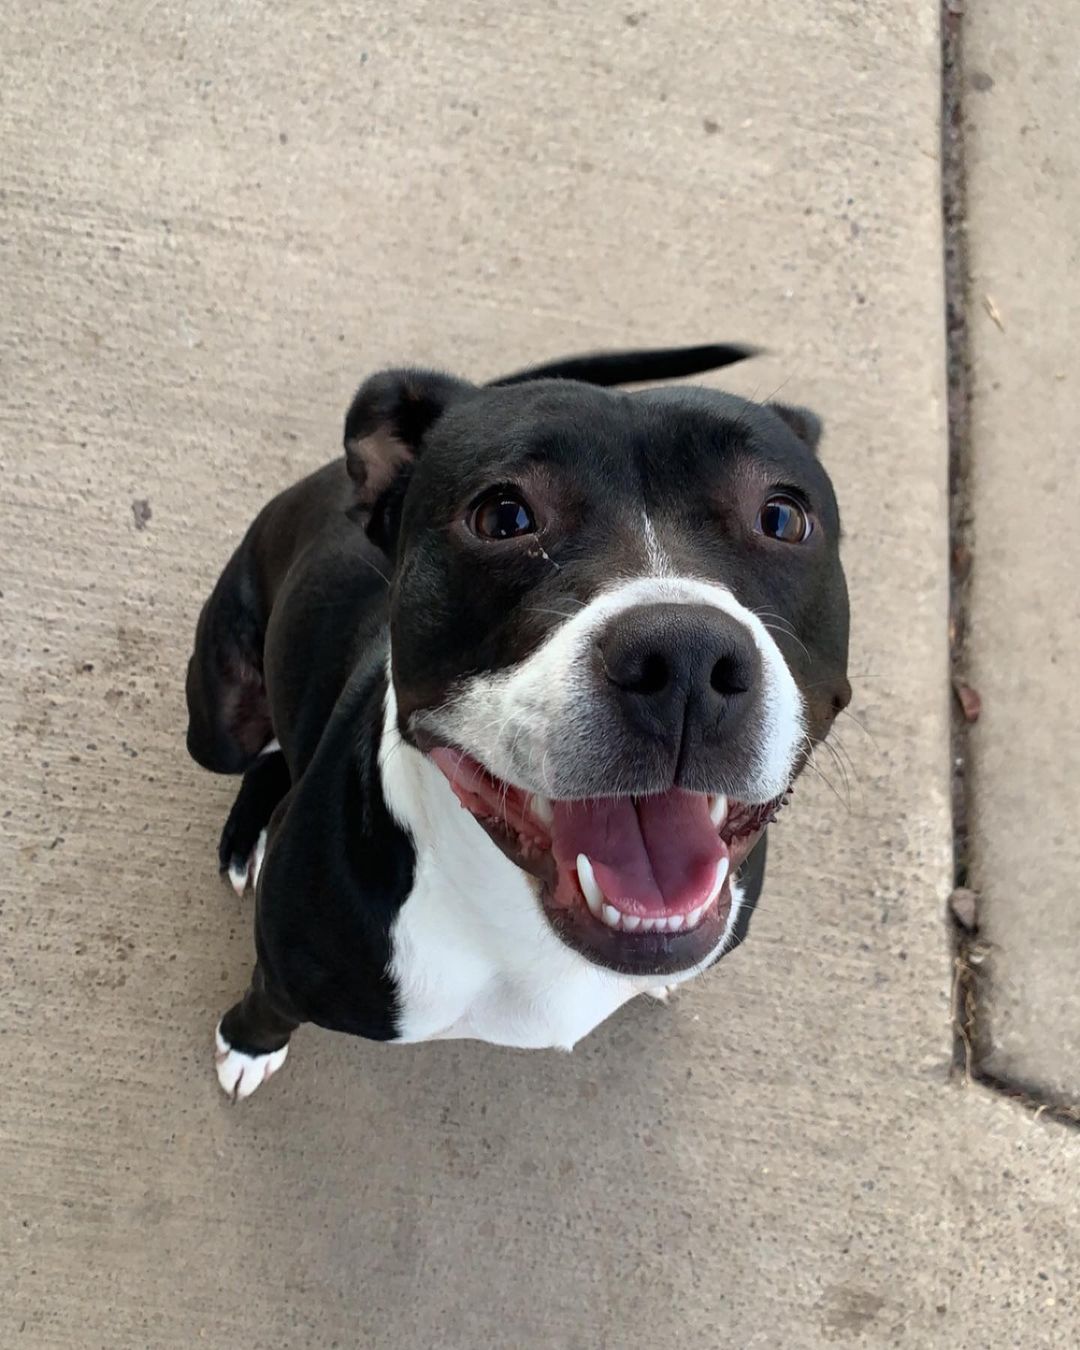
(1024, 490)
(215, 221)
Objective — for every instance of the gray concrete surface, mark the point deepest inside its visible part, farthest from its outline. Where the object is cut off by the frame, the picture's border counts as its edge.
(215, 220)
(1023, 169)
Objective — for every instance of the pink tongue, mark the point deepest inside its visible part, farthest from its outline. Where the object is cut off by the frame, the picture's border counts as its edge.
(651, 856)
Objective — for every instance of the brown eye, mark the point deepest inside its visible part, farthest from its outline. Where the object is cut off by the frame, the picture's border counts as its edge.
(502, 514)
(784, 519)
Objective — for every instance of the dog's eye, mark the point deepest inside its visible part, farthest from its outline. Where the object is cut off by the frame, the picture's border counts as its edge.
(502, 515)
(783, 518)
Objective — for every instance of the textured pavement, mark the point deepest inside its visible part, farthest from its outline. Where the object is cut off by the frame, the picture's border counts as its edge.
(1024, 488)
(215, 220)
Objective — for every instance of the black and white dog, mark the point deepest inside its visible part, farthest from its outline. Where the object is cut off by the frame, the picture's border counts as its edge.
(515, 689)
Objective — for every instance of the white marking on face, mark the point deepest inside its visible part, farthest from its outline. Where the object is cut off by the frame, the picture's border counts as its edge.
(472, 953)
(527, 724)
(658, 560)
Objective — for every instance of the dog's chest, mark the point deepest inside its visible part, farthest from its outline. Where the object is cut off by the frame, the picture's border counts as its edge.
(474, 958)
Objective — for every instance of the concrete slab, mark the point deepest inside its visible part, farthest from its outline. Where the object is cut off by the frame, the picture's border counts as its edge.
(214, 224)
(1023, 143)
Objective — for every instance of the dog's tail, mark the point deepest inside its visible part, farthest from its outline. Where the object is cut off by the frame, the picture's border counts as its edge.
(608, 368)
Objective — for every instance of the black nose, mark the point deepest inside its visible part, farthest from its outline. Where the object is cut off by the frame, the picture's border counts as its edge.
(674, 668)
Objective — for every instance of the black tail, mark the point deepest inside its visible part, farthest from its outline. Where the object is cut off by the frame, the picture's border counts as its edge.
(607, 368)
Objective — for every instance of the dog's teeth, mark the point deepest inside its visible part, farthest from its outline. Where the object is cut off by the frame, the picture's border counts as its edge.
(610, 916)
(676, 922)
(721, 876)
(541, 809)
(648, 925)
(718, 810)
(631, 922)
(694, 917)
(590, 888)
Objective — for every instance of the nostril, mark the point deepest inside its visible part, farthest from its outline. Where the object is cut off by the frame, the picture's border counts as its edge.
(730, 676)
(655, 675)
(633, 666)
(646, 674)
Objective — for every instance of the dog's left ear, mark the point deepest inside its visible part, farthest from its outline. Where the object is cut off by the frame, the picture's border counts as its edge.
(389, 418)
(805, 424)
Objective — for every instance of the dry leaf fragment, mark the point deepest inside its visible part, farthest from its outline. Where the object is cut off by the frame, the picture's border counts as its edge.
(970, 702)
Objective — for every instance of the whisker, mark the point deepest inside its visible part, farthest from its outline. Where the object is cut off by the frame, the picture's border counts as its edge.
(811, 763)
(558, 613)
(782, 385)
(846, 712)
(842, 769)
(840, 752)
(786, 633)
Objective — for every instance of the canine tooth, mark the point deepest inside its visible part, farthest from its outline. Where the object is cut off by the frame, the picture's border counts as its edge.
(718, 810)
(541, 809)
(590, 888)
(631, 922)
(610, 916)
(694, 917)
(676, 922)
(721, 876)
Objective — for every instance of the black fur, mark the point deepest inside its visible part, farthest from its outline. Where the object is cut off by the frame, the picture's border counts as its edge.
(293, 640)
(265, 783)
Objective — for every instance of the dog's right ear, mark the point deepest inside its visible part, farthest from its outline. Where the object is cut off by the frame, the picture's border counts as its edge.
(389, 418)
(804, 423)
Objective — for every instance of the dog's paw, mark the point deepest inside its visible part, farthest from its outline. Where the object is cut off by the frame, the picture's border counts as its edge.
(243, 839)
(240, 1074)
(243, 871)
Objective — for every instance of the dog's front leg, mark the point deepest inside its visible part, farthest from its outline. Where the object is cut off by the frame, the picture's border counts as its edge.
(252, 1039)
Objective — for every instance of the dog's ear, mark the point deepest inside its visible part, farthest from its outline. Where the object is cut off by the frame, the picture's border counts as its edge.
(389, 418)
(805, 424)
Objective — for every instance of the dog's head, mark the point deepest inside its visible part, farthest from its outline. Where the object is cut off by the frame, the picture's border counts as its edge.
(618, 625)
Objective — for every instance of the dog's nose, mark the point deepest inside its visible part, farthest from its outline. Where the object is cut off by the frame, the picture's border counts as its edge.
(675, 669)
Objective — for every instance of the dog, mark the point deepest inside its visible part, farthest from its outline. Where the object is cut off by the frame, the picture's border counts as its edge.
(515, 688)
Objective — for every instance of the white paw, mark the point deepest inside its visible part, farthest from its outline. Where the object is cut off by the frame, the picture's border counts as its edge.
(246, 874)
(240, 1074)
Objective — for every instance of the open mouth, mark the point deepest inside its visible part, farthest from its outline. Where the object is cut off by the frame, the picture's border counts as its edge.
(638, 884)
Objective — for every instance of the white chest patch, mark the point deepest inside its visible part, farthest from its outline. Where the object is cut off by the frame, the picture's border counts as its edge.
(471, 952)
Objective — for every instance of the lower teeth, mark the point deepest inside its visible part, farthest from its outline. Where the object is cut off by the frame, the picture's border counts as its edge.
(615, 919)
(632, 923)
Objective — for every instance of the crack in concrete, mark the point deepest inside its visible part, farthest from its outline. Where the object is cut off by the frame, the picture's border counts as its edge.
(971, 1035)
